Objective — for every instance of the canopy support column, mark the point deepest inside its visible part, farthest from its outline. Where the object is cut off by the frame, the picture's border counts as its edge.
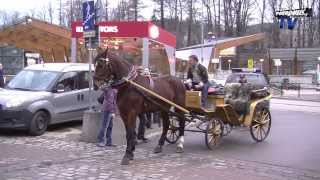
(171, 58)
(73, 49)
(145, 52)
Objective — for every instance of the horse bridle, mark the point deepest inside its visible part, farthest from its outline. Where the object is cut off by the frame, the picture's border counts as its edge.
(114, 83)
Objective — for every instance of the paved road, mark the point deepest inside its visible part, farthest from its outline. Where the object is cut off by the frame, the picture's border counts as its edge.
(290, 152)
(293, 140)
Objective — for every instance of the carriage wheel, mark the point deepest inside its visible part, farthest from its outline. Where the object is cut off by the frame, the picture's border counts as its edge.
(213, 133)
(261, 124)
(172, 134)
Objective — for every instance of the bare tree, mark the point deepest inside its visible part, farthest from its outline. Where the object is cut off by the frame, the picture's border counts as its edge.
(32, 13)
(42, 13)
(4, 18)
(190, 20)
(107, 10)
(50, 12)
(208, 4)
(60, 9)
(275, 31)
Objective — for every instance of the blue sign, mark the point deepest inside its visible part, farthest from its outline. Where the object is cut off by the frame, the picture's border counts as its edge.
(88, 16)
(290, 21)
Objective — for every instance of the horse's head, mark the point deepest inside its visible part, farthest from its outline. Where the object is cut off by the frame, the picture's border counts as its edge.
(108, 68)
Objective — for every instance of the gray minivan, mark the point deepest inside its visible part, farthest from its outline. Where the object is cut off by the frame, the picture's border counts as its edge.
(45, 94)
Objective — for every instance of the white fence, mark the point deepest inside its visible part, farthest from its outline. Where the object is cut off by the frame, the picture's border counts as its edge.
(299, 79)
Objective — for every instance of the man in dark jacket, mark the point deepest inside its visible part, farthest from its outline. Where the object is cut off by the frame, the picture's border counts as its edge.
(1, 76)
(198, 76)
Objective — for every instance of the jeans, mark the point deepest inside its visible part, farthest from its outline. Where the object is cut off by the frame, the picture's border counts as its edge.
(142, 125)
(204, 94)
(105, 133)
(148, 121)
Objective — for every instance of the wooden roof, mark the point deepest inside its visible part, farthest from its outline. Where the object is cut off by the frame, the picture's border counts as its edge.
(51, 41)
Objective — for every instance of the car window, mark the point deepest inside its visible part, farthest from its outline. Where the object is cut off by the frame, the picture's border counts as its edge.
(256, 79)
(69, 81)
(32, 80)
(83, 80)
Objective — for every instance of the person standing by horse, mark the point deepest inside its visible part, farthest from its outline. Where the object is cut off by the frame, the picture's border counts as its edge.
(132, 100)
(198, 77)
(142, 127)
(1, 76)
(108, 99)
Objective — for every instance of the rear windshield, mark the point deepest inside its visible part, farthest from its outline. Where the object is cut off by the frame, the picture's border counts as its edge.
(256, 79)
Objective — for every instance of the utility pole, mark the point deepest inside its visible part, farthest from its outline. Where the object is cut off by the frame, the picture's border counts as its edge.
(135, 10)
(162, 13)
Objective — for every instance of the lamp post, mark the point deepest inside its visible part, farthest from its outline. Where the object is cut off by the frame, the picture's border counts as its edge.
(318, 70)
(215, 61)
(261, 64)
(229, 61)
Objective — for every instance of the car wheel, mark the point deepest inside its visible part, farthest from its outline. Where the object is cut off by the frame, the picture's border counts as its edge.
(39, 123)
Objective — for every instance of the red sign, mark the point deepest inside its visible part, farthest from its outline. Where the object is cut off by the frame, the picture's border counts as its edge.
(128, 29)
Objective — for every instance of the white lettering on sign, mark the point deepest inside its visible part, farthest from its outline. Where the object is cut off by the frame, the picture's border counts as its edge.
(107, 29)
(79, 29)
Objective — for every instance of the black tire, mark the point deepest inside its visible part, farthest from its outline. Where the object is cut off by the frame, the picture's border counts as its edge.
(213, 133)
(39, 123)
(172, 134)
(261, 124)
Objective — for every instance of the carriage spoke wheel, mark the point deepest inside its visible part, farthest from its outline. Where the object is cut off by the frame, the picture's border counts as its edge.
(213, 133)
(260, 126)
(172, 134)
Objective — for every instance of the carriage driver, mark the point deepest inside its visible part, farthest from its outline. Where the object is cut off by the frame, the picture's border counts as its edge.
(198, 78)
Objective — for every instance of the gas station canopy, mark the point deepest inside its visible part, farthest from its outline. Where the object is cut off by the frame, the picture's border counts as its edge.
(126, 29)
(142, 37)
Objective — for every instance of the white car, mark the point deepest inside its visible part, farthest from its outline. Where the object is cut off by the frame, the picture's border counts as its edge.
(45, 94)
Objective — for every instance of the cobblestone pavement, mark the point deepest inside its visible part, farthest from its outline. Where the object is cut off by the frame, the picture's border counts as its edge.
(48, 158)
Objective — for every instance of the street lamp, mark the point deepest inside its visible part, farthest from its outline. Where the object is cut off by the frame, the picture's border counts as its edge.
(277, 63)
(261, 64)
(229, 61)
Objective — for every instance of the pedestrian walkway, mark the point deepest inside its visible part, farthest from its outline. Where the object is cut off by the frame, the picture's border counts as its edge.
(303, 94)
(295, 105)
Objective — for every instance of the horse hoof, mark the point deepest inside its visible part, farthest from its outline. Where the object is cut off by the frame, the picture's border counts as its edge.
(157, 149)
(125, 161)
(130, 157)
(179, 150)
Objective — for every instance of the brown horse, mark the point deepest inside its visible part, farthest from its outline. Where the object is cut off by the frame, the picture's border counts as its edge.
(110, 70)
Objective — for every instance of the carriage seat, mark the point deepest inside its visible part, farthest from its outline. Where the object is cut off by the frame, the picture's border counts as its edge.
(238, 96)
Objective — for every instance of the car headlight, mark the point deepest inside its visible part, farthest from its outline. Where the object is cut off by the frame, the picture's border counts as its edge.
(14, 103)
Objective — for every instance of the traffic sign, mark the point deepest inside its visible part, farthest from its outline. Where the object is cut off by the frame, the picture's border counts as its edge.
(250, 63)
(88, 16)
(89, 34)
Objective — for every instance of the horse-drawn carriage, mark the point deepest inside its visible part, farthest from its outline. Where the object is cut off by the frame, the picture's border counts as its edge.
(243, 104)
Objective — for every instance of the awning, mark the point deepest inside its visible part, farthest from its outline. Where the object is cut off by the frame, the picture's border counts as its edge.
(212, 49)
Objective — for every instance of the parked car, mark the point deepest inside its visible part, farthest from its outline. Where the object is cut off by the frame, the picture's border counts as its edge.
(255, 81)
(258, 80)
(45, 94)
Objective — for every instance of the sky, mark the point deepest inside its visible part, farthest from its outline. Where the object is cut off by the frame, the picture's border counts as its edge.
(25, 6)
